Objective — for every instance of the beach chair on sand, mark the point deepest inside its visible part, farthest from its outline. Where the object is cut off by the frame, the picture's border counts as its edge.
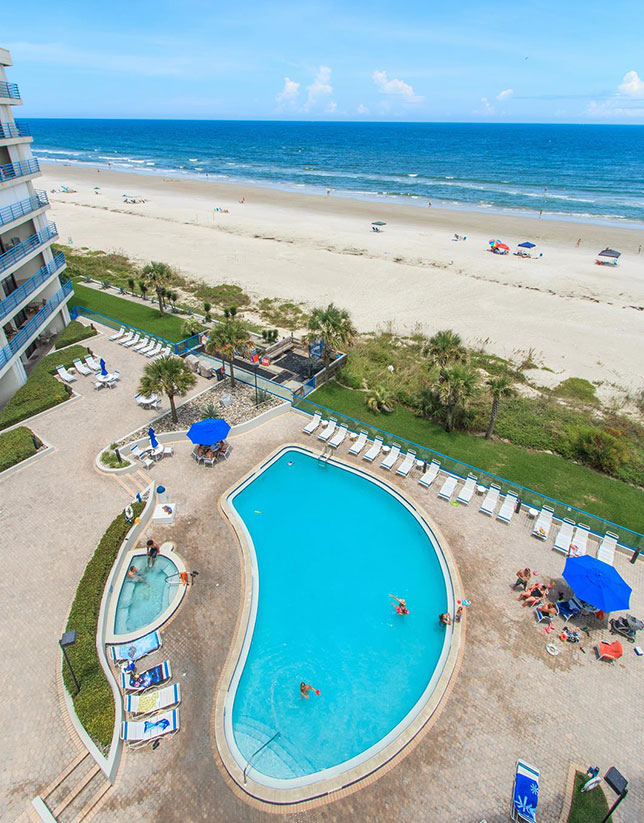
(338, 437)
(137, 649)
(406, 465)
(606, 551)
(491, 498)
(564, 536)
(118, 334)
(525, 795)
(358, 444)
(374, 451)
(64, 375)
(579, 540)
(328, 430)
(157, 701)
(507, 507)
(447, 489)
(430, 475)
(543, 523)
(609, 651)
(139, 733)
(147, 679)
(313, 423)
(391, 458)
(465, 494)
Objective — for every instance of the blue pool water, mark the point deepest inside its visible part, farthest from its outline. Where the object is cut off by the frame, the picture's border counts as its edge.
(331, 546)
(141, 602)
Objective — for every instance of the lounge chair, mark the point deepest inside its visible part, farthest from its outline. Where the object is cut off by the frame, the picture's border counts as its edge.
(447, 489)
(133, 341)
(81, 368)
(489, 503)
(142, 344)
(137, 649)
(525, 795)
(328, 430)
(147, 679)
(159, 700)
(146, 349)
(155, 351)
(391, 458)
(64, 375)
(579, 540)
(358, 444)
(543, 523)
(139, 733)
(507, 507)
(338, 437)
(567, 609)
(126, 338)
(313, 423)
(406, 466)
(92, 363)
(374, 451)
(564, 536)
(165, 351)
(542, 617)
(609, 651)
(606, 551)
(118, 334)
(430, 475)
(465, 494)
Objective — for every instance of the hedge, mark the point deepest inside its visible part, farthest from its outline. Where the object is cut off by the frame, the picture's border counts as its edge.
(16, 446)
(94, 703)
(74, 332)
(42, 390)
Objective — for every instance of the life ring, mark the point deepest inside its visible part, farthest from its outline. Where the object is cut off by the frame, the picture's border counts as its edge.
(129, 513)
(552, 649)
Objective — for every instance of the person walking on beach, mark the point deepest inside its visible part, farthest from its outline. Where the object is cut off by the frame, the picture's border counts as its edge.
(579, 242)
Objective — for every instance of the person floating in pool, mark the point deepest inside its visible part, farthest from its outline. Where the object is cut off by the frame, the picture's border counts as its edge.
(305, 688)
(401, 605)
(445, 619)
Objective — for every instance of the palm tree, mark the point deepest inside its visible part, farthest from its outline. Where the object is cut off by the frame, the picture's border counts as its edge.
(445, 347)
(227, 337)
(159, 274)
(167, 375)
(333, 327)
(454, 386)
(380, 399)
(143, 288)
(499, 387)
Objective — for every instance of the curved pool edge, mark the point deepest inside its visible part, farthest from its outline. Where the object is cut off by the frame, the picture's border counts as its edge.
(348, 780)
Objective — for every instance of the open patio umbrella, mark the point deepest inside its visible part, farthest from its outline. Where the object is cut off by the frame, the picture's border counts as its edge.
(153, 438)
(597, 583)
(208, 431)
(526, 245)
(378, 223)
(103, 369)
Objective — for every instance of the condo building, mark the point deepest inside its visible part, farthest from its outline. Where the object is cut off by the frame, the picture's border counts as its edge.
(33, 298)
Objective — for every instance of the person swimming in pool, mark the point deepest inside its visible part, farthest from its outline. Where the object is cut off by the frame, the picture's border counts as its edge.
(305, 688)
(135, 574)
(401, 605)
(445, 619)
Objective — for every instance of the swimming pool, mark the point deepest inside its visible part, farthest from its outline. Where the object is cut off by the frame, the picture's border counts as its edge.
(328, 545)
(141, 602)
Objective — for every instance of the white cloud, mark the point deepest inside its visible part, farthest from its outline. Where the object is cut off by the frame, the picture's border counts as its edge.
(503, 95)
(320, 87)
(611, 110)
(332, 107)
(362, 109)
(488, 108)
(632, 85)
(288, 95)
(395, 87)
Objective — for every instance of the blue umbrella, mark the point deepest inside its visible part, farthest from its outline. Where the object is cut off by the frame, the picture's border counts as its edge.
(526, 245)
(103, 369)
(597, 583)
(153, 440)
(208, 431)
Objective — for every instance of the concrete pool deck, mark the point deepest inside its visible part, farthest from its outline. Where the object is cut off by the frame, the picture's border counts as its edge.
(510, 698)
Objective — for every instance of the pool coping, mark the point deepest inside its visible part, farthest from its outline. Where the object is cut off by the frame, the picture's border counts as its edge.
(278, 800)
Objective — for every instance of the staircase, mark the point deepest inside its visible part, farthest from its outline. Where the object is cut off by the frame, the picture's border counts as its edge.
(75, 793)
(133, 483)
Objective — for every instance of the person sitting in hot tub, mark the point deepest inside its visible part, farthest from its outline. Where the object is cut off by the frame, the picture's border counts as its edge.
(135, 574)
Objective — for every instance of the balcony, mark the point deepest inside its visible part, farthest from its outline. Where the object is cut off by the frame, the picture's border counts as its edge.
(13, 300)
(22, 250)
(23, 168)
(31, 328)
(10, 90)
(9, 130)
(17, 210)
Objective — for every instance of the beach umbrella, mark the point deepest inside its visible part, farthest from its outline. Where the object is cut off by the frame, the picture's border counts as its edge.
(502, 246)
(378, 223)
(526, 245)
(597, 583)
(208, 431)
(610, 253)
(153, 438)
(103, 369)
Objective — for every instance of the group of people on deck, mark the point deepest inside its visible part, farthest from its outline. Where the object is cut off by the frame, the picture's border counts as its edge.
(217, 450)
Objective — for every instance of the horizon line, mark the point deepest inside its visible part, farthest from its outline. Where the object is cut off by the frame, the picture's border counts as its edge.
(329, 122)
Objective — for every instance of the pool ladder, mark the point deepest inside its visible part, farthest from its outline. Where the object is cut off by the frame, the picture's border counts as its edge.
(325, 455)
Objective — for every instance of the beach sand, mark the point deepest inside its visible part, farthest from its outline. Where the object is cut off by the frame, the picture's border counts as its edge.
(580, 319)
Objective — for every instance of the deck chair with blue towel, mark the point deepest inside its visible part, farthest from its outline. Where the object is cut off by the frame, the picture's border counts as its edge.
(137, 648)
(567, 609)
(131, 682)
(141, 732)
(525, 796)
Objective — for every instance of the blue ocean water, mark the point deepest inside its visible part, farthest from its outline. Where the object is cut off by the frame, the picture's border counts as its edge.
(583, 172)
(331, 546)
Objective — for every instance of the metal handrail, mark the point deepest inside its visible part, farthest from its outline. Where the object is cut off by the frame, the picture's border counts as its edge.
(10, 213)
(254, 754)
(21, 250)
(14, 130)
(29, 286)
(9, 171)
(10, 90)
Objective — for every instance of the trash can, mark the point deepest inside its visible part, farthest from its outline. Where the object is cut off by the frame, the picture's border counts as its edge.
(161, 494)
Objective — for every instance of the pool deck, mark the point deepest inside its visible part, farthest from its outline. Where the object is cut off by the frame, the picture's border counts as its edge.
(510, 700)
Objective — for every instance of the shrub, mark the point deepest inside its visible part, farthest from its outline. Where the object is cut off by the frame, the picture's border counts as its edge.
(16, 446)
(576, 388)
(598, 449)
(74, 332)
(223, 295)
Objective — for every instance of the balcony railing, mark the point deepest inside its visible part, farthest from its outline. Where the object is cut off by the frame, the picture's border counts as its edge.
(9, 90)
(21, 250)
(29, 286)
(10, 171)
(14, 130)
(10, 213)
(30, 329)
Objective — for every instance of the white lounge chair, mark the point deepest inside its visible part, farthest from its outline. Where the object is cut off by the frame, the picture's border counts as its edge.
(543, 523)
(118, 334)
(133, 341)
(507, 507)
(447, 489)
(465, 494)
(159, 700)
(406, 466)
(431, 474)
(81, 368)
(165, 351)
(328, 430)
(313, 423)
(92, 363)
(141, 732)
(147, 349)
(142, 344)
(155, 351)
(606, 551)
(579, 542)
(491, 498)
(391, 458)
(564, 536)
(374, 451)
(358, 444)
(126, 338)
(338, 437)
(64, 375)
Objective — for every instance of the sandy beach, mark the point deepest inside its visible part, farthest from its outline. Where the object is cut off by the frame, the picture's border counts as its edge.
(579, 318)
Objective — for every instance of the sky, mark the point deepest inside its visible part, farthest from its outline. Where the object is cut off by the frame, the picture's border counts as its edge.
(547, 61)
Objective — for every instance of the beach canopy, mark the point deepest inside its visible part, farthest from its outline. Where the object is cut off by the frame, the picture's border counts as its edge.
(153, 439)
(208, 431)
(103, 369)
(502, 246)
(597, 583)
(378, 223)
(526, 245)
(610, 253)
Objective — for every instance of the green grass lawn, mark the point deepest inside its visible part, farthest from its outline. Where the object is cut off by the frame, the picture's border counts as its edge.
(146, 318)
(548, 474)
(587, 807)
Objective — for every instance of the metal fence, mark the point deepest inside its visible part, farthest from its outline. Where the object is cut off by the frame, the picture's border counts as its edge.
(9, 171)
(22, 250)
(29, 286)
(10, 213)
(9, 90)
(82, 311)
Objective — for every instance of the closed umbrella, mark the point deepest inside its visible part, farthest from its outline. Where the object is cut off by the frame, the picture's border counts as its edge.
(153, 440)
(597, 583)
(103, 369)
(208, 431)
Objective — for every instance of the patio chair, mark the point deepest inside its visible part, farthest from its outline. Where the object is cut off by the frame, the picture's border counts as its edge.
(223, 454)
(92, 363)
(165, 351)
(447, 489)
(209, 461)
(606, 551)
(153, 353)
(525, 794)
(542, 617)
(357, 445)
(338, 437)
(81, 368)
(118, 334)
(168, 451)
(391, 458)
(147, 461)
(564, 536)
(126, 338)
(609, 651)
(137, 649)
(159, 700)
(64, 375)
(136, 451)
(567, 609)
(142, 344)
(137, 733)
(406, 466)
(430, 475)
(328, 430)
(373, 452)
(313, 423)
(465, 494)
(195, 455)
(147, 679)
(133, 341)
(98, 385)
(116, 374)
(544, 521)
(579, 540)
(491, 498)
(507, 507)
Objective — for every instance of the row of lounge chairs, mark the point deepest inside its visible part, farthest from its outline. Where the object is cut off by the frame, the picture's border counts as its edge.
(148, 346)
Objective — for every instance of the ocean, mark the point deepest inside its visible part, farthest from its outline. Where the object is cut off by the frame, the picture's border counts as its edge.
(592, 173)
